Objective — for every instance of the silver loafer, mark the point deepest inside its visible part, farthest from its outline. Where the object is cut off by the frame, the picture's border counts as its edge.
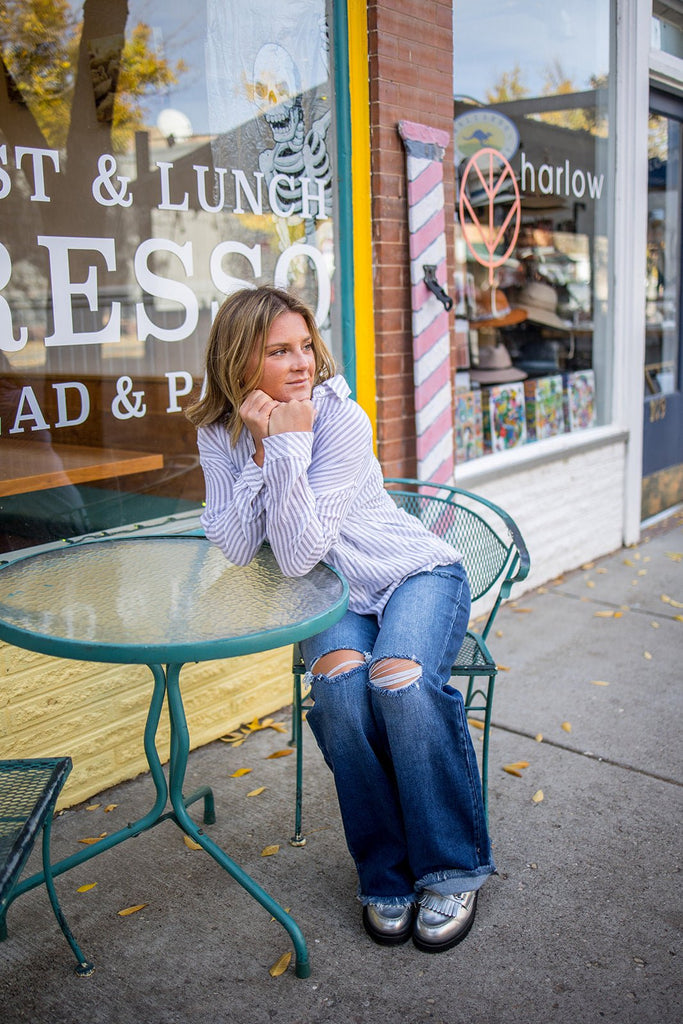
(387, 924)
(443, 921)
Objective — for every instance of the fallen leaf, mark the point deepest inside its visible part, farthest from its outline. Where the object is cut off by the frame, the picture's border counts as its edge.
(669, 600)
(503, 668)
(110, 807)
(588, 565)
(92, 839)
(268, 851)
(190, 843)
(132, 910)
(240, 772)
(539, 737)
(617, 615)
(512, 771)
(605, 615)
(499, 632)
(642, 572)
(280, 753)
(92, 807)
(601, 570)
(647, 655)
(278, 727)
(476, 723)
(627, 561)
(678, 618)
(655, 625)
(525, 611)
(590, 583)
(538, 796)
(567, 726)
(86, 888)
(599, 682)
(280, 966)
(257, 792)
(675, 556)
(519, 764)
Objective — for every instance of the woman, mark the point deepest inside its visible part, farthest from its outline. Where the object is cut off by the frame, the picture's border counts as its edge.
(287, 457)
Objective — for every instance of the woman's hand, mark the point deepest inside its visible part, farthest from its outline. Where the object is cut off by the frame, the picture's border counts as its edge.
(294, 415)
(263, 416)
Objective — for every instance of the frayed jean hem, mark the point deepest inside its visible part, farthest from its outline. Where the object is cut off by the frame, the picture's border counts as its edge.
(447, 882)
(392, 901)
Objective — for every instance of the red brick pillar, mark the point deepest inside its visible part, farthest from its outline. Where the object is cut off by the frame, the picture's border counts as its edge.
(410, 46)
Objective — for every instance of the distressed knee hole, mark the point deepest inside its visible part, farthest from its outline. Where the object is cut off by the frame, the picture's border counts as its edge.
(337, 662)
(395, 673)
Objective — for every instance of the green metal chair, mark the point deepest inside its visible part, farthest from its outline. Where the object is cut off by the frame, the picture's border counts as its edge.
(28, 792)
(495, 556)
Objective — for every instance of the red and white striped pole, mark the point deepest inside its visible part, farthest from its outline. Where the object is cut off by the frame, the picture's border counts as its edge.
(425, 149)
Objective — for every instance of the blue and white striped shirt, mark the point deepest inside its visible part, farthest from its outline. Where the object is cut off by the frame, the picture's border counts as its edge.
(319, 496)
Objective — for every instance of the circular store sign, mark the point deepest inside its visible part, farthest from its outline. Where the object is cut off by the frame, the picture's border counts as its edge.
(484, 129)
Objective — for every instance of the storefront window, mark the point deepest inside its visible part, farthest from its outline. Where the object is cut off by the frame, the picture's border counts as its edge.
(155, 155)
(531, 138)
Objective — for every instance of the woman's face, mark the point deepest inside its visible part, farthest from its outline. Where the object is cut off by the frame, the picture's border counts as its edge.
(289, 366)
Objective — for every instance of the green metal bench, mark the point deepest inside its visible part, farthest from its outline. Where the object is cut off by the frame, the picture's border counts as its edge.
(28, 793)
(495, 556)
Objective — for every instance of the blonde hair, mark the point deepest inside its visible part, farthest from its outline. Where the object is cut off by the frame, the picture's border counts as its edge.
(239, 331)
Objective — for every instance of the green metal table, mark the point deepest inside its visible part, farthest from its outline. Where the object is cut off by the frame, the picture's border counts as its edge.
(164, 601)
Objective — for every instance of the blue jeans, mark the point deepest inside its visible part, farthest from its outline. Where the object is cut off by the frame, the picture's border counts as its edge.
(403, 762)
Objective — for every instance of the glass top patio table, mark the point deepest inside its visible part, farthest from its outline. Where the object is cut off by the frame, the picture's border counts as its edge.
(163, 601)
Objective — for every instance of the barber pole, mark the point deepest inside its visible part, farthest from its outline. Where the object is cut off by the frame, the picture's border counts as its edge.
(425, 149)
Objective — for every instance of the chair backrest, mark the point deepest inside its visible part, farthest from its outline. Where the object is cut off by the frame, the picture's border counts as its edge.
(491, 545)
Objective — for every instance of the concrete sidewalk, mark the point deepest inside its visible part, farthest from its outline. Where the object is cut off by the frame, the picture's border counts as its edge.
(582, 923)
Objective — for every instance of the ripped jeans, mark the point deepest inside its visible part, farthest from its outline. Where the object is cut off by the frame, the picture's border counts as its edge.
(404, 766)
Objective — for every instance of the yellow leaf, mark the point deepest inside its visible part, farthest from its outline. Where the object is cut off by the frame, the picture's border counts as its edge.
(647, 655)
(678, 618)
(669, 600)
(257, 792)
(627, 561)
(86, 888)
(132, 910)
(476, 723)
(499, 632)
(512, 771)
(240, 772)
(538, 796)
(642, 572)
(92, 839)
(110, 807)
(92, 807)
(522, 611)
(518, 764)
(190, 843)
(268, 851)
(590, 583)
(617, 615)
(280, 966)
(675, 556)
(278, 727)
(588, 565)
(655, 625)
(280, 753)
(503, 668)
(539, 737)
(599, 682)
(567, 726)
(605, 615)
(601, 570)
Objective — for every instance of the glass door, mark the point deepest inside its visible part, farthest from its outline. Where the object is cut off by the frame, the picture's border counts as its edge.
(663, 421)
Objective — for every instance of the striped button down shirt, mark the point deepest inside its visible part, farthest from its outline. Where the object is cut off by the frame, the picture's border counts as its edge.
(319, 496)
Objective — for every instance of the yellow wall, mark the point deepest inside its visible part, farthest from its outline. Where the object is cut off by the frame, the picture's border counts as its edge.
(96, 713)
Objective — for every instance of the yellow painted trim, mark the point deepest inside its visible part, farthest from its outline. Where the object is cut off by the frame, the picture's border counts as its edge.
(359, 93)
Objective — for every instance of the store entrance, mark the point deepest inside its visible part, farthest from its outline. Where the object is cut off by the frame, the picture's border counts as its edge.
(663, 419)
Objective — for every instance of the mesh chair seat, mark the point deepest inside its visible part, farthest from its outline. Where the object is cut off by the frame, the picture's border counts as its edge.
(495, 557)
(28, 793)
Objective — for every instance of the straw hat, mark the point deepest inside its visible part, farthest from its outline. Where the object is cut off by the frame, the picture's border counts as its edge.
(495, 366)
(494, 310)
(540, 303)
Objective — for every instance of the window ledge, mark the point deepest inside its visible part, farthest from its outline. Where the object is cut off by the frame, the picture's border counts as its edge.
(536, 453)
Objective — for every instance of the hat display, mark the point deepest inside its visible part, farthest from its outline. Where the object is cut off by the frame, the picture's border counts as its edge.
(494, 310)
(540, 302)
(495, 366)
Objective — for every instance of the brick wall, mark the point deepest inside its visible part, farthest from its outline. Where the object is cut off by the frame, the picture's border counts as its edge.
(410, 44)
